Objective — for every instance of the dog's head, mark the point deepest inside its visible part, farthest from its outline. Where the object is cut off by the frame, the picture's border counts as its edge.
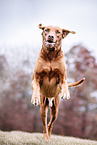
(52, 36)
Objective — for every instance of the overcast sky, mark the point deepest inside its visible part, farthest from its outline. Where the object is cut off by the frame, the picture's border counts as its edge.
(19, 21)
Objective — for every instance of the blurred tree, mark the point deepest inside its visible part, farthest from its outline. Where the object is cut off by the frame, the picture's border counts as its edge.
(16, 110)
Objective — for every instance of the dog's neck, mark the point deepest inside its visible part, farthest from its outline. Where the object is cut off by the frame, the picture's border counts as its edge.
(52, 54)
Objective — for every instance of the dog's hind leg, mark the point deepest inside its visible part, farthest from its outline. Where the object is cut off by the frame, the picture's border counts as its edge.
(43, 112)
(54, 113)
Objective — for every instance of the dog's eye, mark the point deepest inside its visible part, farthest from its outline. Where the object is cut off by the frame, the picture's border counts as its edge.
(47, 30)
(58, 32)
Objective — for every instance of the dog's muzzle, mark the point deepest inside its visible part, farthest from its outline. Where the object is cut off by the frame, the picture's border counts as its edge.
(50, 45)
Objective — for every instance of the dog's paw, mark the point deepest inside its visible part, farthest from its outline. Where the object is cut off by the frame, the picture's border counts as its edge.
(35, 101)
(66, 96)
(46, 137)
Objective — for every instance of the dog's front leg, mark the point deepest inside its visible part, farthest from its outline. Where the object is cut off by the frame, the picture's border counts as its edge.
(36, 92)
(65, 92)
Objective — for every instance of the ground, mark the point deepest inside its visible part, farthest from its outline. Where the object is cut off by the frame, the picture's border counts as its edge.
(24, 138)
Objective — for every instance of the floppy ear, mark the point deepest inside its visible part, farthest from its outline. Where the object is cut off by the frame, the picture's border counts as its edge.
(41, 27)
(66, 32)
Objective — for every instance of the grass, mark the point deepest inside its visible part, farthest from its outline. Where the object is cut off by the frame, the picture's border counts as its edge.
(24, 138)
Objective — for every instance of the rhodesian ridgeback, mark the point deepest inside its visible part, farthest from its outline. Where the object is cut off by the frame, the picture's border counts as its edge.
(49, 80)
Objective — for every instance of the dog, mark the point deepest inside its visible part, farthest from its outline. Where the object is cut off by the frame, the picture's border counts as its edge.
(49, 81)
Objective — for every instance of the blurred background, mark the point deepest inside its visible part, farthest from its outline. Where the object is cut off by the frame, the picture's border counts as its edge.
(20, 43)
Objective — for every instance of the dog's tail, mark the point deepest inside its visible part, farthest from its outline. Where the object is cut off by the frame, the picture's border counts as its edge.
(76, 83)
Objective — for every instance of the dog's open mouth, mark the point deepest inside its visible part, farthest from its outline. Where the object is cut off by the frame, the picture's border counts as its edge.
(50, 45)
(50, 41)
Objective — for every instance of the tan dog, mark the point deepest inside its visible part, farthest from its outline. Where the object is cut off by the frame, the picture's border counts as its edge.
(49, 81)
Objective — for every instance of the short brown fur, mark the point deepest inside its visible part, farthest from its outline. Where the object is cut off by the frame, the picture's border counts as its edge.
(49, 80)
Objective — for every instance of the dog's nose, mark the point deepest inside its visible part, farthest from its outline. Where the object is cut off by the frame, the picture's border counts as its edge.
(50, 37)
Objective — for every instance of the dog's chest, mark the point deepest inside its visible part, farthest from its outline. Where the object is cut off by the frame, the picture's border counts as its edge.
(53, 69)
(49, 75)
(49, 78)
